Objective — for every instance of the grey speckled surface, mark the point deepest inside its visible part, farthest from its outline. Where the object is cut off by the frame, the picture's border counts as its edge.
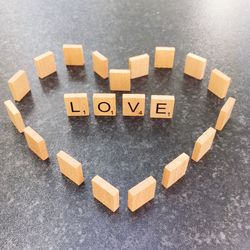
(208, 209)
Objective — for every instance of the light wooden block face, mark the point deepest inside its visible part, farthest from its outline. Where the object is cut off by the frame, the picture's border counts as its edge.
(19, 85)
(162, 106)
(219, 83)
(119, 80)
(203, 144)
(73, 54)
(141, 193)
(104, 192)
(175, 170)
(164, 57)
(70, 167)
(76, 104)
(14, 115)
(225, 113)
(139, 65)
(195, 66)
(133, 104)
(45, 64)
(36, 143)
(104, 104)
(100, 64)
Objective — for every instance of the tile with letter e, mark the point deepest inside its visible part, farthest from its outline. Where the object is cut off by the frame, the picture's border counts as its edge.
(76, 104)
(104, 104)
(100, 64)
(138, 65)
(119, 80)
(73, 55)
(133, 104)
(164, 57)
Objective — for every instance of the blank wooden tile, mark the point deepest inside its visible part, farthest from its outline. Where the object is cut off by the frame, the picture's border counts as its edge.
(14, 115)
(175, 170)
(100, 64)
(164, 57)
(138, 65)
(119, 80)
(133, 104)
(73, 54)
(70, 167)
(104, 192)
(219, 83)
(162, 106)
(195, 66)
(203, 144)
(225, 113)
(142, 193)
(76, 104)
(19, 85)
(36, 143)
(104, 104)
(45, 64)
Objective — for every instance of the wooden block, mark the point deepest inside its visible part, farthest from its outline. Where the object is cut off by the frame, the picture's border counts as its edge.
(195, 66)
(164, 57)
(225, 113)
(203, 144)
(100, 64)
(119, 80)
(45, 64)
(219, 83)
(175, 170)
(19, 85)
(76, 104)
(162, 106)
(141, 193)
(104, 104)
(14, 115)
(73, 54)
(36, 143)
(138, 65)
(70, 167)
(133, 104)
(104, 192)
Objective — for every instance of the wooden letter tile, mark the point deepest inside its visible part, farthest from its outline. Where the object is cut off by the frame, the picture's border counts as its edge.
(19, 85)
(119, 80)
(104, 192)
(104, 104)
(138, 65)
(203, 144)
(164, 57)
(76, 104)
(225, 113)
(36, 143)
(70, 167)
(133, 104)
(195, 66)
(100, 64)
(175, 170)
(73, 54)
(14, 115)
(141, 193)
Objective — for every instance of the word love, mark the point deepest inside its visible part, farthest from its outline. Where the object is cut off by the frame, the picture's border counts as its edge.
(104, 104)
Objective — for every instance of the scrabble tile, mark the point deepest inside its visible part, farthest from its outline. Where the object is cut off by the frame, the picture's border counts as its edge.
(203, 144)
(162, 106)
(141, 193)
(104, 104)
(73, 54)
(36, 143)
(100, 64)
(225, 113)
(104, 192)
(175, 170)
(76, 104)
(133, 104)
(19, 85)
(70, 167)
(14, 115)
(164, 57)
(45, 64)
(195, 66)
(138, 65)
(219, 83)
(119, 80)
